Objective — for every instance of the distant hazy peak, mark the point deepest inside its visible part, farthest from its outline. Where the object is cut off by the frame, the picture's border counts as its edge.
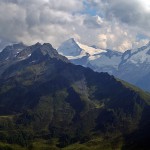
(70, 48)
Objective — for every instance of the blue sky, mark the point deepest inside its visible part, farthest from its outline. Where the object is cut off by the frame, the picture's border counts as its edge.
(113, 24)
(88, 9)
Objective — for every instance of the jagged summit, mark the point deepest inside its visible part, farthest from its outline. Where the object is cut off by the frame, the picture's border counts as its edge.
(44, 96)
(132, 65)
(72, 40)
(11, 51)
(45, 49)
(91, 56)
(70, 48)
(138, 56)
(34, 53)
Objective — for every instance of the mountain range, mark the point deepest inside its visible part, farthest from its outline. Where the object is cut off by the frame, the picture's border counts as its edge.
(132, 66)
(46, 102)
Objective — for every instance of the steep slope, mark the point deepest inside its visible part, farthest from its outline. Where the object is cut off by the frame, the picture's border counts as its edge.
(106, 62)
(135, 66)
(10, 52)
(8, 55)
(70, 48)
(132, 66)
(18, 52)
(3, 44)
(45, 97)
(91, 56)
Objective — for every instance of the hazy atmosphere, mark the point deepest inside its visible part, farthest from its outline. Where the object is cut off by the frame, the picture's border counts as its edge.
(115, 24)
(74, 74)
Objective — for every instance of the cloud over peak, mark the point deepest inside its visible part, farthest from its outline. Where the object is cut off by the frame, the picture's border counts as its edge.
(114, 24)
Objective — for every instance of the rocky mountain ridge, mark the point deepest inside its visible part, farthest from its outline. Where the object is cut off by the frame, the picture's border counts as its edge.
(45, 98)
(132, 66)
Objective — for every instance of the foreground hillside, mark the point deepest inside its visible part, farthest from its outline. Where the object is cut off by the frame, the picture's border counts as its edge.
(48, 103)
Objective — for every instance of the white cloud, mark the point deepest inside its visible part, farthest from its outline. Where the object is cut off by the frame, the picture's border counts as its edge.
(102, 41)
(125, 21)
(93, 21)
(116, 25)
(35, 20)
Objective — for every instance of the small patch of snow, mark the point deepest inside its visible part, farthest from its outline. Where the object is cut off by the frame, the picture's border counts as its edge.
(29, 55)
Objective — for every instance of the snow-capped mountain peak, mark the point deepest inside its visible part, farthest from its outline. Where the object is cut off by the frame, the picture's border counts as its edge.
(132, 66)
(74, 49)
(70, 48)
(90, 56)
(137, 56)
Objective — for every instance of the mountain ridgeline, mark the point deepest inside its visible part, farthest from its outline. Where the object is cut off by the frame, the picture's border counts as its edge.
(46, 102)
(132, 66)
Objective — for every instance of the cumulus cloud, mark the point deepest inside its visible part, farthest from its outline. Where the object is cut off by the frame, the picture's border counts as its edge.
(116, 37)
(10, 22)
(126, 20)
(93, 22)
(133, 13)
(35, 20)
(115, 25)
